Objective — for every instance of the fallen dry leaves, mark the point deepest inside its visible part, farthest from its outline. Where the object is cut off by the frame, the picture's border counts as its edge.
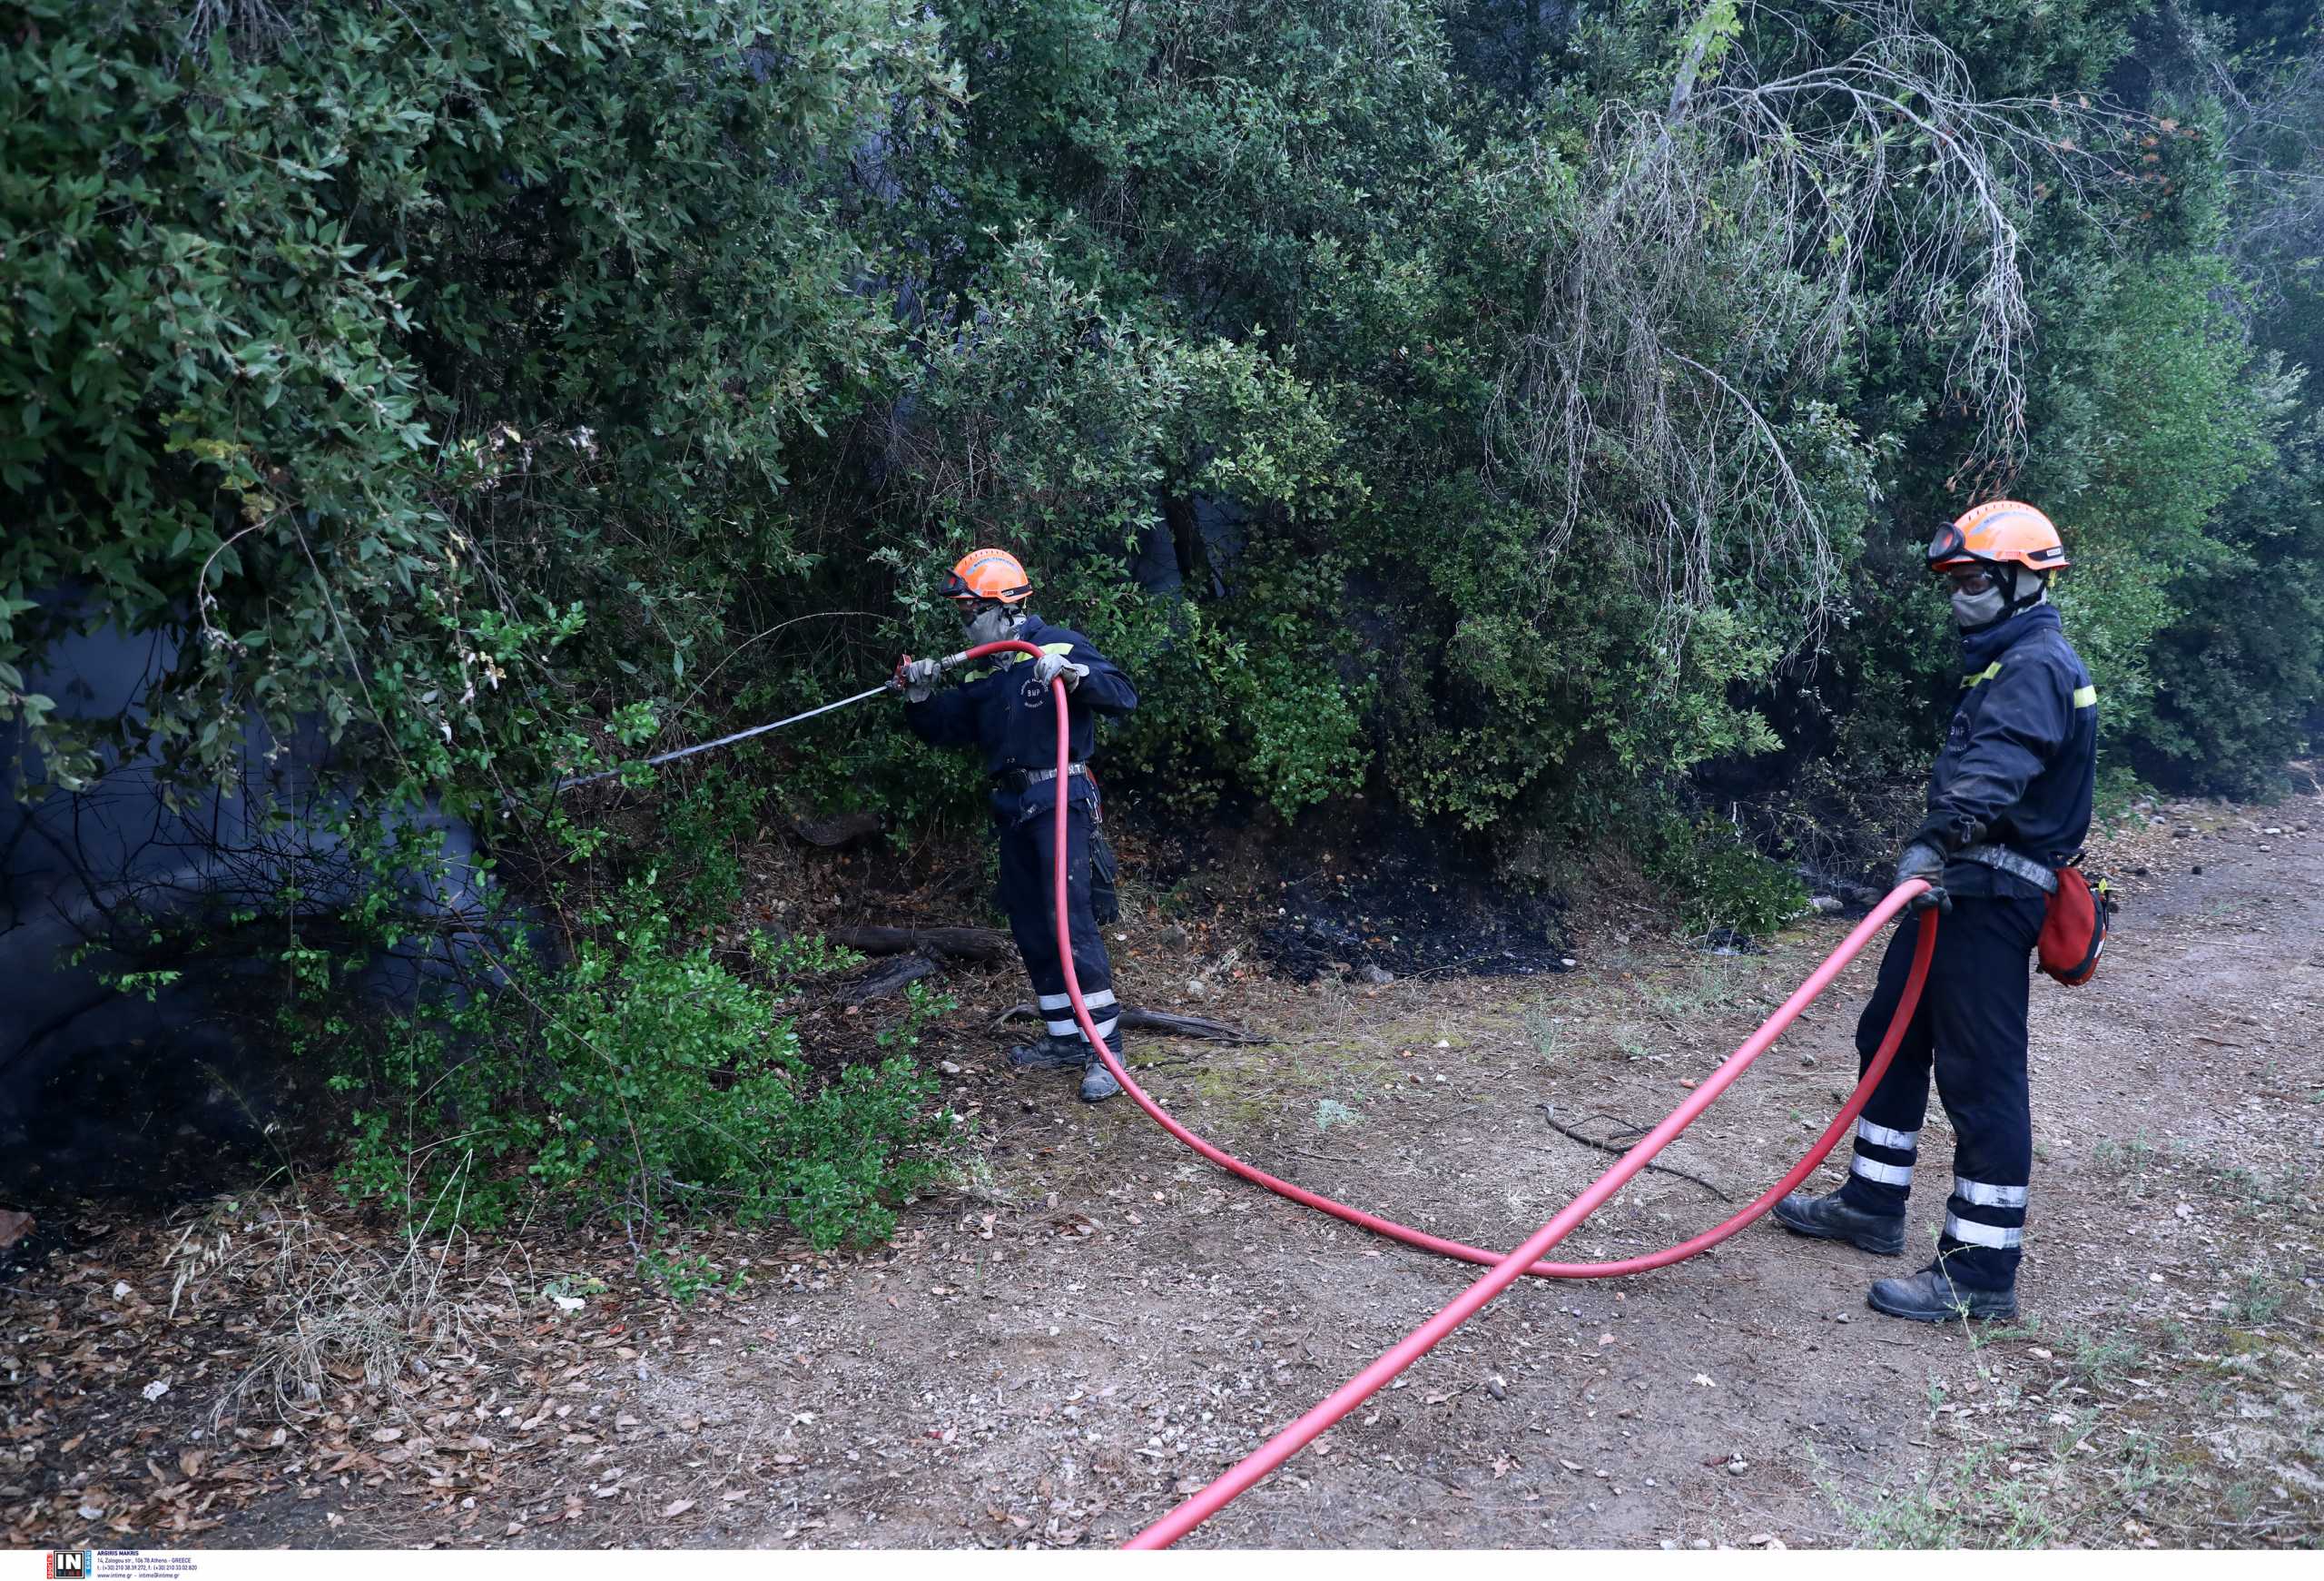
(127, 1410)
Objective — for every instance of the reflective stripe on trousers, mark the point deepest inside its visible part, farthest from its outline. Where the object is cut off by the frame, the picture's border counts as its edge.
(1969, 1035)
(1885, 1155)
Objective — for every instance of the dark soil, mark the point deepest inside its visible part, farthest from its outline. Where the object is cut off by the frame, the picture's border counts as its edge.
(1402, 914)
(1357, 887)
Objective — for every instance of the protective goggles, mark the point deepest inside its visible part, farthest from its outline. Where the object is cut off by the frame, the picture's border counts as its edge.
(1948, 545)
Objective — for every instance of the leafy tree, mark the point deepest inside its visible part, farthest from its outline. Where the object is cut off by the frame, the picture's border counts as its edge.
(383, 349)
(1527, 415)
(2239, 673)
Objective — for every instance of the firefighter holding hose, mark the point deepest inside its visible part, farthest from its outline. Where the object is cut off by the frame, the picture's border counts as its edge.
(1007, 713)
(2009, 802)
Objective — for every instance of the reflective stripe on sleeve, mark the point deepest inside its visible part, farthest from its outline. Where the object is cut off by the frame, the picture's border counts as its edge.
(1984, 1196)
(2085, 697)
(1986, 674)
(1887, 1175)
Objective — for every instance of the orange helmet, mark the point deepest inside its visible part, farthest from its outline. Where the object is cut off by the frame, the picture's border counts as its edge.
(1997, 532)
(993, 574)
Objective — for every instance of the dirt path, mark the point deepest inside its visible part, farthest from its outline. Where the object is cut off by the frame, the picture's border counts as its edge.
(1098, 1322)
(1114, 1322)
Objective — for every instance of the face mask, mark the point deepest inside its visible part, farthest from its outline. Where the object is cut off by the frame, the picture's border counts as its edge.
(1975, 611)
(1971, 610)
(991, 624)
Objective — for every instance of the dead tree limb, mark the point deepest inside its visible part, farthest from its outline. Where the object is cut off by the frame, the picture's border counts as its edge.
(1136, 1018)
(965, 943)
(888, 977)
(1816, 184)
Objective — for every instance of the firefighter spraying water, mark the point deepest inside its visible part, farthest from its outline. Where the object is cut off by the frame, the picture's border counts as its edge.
(1008, 716)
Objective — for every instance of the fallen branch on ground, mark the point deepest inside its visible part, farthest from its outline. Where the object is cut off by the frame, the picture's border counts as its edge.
(968, 943)
(1564, 1129)
(1136, 1018)
(888, 977)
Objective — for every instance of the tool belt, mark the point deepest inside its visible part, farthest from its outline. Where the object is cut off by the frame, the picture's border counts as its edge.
(2004, 860)
(1021, 780)
(2076, 921)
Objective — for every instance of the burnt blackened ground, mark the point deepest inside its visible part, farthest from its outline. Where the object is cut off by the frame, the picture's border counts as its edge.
(1407, 915)
(171, 1117)
(148, 1107)
(1346, 889)
(1352, 885)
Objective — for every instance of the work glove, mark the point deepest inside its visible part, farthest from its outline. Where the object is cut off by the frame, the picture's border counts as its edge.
(1924, 861)
(1050, 666)
(919, 676)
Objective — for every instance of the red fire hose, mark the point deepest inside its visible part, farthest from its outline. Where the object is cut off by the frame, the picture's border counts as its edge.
(1505, 1268)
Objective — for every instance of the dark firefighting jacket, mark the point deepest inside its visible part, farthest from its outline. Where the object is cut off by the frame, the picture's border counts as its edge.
(1012, 717)
(2020, 762)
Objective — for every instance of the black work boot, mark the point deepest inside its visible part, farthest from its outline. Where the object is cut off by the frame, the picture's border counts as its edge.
(1098, 1084)
(1051, 1054)
(1930, 1297)
(1829, 1218)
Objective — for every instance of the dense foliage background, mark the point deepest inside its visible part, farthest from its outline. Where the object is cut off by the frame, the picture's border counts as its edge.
(467, 374)
(1526, 414)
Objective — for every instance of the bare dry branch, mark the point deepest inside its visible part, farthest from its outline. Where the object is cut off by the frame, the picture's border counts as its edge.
(1741, 238)
(2272, 148)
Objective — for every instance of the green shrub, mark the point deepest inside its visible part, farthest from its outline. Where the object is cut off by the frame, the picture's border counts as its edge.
(643, 1080)
(1717, 880)
(2115, 796)
(707, 827)
(686, 1275)
(2239, 674)
(396, 348)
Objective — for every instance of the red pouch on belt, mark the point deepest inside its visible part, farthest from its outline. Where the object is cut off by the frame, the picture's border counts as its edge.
(2074, 929)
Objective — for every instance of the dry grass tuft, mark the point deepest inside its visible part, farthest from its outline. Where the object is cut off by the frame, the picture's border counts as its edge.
(328, 1305)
